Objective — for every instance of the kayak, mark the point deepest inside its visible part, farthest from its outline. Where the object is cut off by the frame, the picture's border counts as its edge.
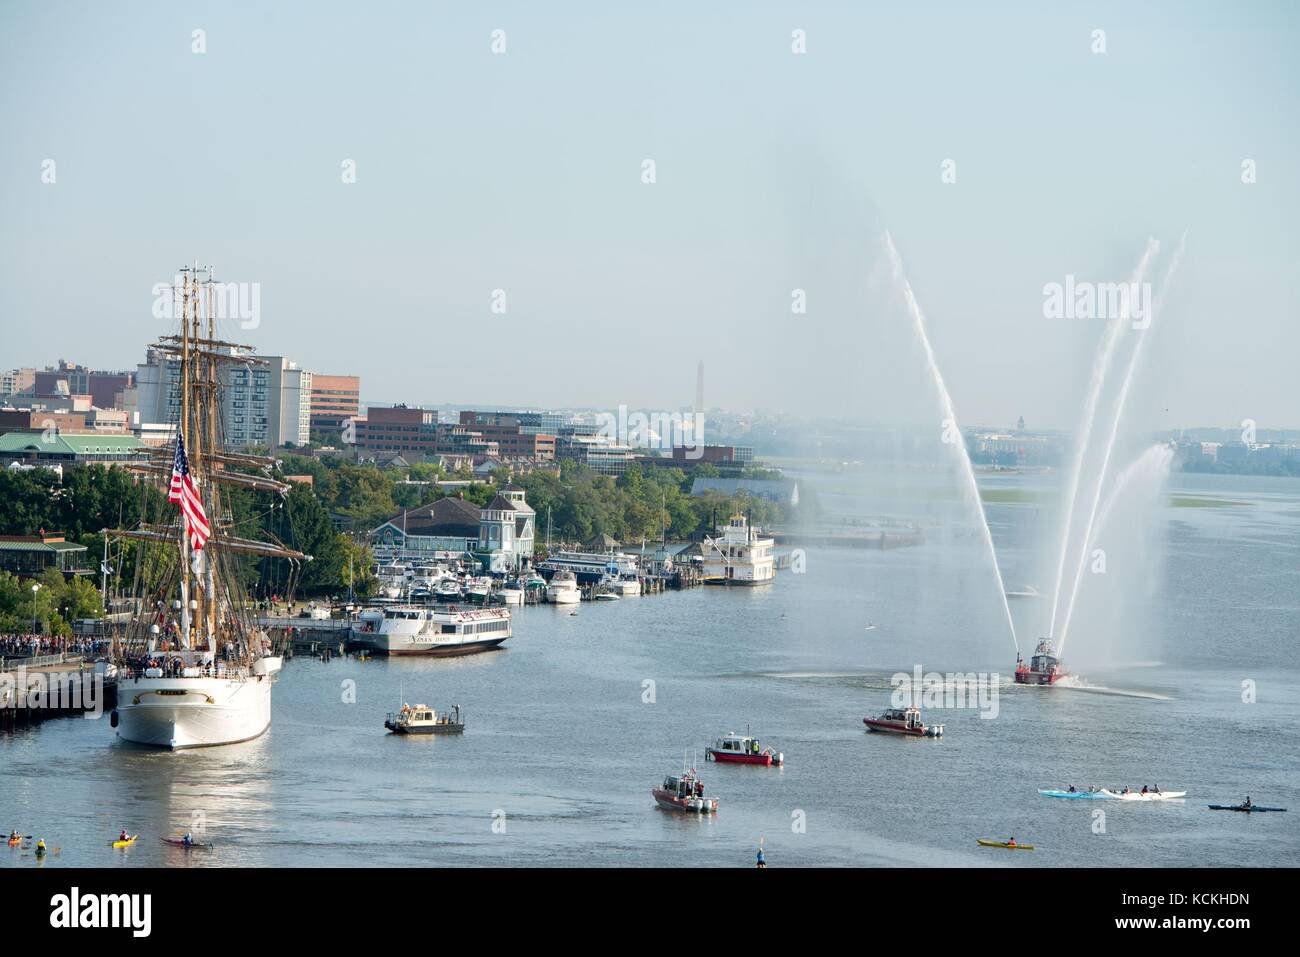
(1009, 847)
(1149, 796)
(177, 842)
(1242, 807)
(127, 843)
(14, 841)
(1087, 795)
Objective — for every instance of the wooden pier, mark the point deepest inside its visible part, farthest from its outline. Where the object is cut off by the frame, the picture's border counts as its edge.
(58, 682)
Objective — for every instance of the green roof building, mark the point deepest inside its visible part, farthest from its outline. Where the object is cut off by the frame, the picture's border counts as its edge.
(26, 555)
(61, 448)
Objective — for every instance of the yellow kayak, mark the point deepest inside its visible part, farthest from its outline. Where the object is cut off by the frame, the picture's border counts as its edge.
(127, 843)
(1008, 846)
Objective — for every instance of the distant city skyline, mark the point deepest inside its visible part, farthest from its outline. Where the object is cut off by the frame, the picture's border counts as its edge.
(483, 228)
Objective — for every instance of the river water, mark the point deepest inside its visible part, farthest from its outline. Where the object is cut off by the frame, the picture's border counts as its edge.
(572, 724)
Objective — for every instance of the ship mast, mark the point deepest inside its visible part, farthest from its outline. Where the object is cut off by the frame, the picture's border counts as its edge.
(211, 611)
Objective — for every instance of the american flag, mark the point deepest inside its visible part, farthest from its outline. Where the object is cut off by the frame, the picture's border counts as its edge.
(184, 492)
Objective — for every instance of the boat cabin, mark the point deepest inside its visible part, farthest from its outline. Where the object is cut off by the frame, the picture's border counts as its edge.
(683, 787)
(738, 744)
(907, 717)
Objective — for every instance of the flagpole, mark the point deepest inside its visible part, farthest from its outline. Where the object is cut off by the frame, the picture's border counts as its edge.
(180, 441)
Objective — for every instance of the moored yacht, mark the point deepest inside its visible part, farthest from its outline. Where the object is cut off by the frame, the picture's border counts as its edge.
(563, 588)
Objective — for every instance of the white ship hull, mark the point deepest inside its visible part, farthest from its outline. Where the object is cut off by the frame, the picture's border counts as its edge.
(179, 713)
(564, 596)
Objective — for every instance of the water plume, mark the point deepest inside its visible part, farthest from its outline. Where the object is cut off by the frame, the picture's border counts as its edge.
(1116, 417)
(1100, 368)
(950, 423)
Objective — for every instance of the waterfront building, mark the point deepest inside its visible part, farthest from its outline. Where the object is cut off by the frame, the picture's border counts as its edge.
(410, 429)
(104, 388)
(507, 531)
(266, 402)
(67, 449)
(334, 400)
(500, 536)
(17, 381)
(29, 555)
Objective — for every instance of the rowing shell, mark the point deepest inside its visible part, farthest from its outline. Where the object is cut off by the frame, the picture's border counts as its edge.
(1086, 795)
(1239, 807)
(1009, 847)
(1149, 796)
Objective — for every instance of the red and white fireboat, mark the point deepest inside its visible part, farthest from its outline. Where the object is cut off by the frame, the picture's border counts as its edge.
(742, 749)
(1044, 667)
(684, 792)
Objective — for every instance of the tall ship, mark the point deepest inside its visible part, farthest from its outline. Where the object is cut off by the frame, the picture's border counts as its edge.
(195, 669)
(739, 556)
(441, 630)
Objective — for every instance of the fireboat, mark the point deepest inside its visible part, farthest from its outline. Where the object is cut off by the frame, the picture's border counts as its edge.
(1044, 667)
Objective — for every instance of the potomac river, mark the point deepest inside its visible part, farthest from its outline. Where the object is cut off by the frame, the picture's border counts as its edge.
(572, 724)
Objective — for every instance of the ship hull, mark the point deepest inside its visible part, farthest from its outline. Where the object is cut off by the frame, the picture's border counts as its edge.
(181, 713)
(447, 650)
(1037, 677)
(732, 757)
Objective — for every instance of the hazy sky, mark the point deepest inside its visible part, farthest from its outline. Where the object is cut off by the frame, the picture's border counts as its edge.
(774, 170)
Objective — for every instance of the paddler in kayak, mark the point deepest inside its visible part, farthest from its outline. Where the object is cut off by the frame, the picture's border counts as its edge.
(40, 848)
(1247, 804)
(1071, 789)
(188, 839)
(1011, 842)
(124, 836)
(13, 836)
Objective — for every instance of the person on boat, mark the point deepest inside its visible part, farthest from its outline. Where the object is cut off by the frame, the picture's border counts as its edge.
(1144, 789)
(1071, 789)
(188, 839)
(40, 848)
(124, 836)
(1248, 802)
(762, 861)
(1011, 841)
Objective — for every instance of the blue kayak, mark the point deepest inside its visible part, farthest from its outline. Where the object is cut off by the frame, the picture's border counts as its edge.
(1085, 795)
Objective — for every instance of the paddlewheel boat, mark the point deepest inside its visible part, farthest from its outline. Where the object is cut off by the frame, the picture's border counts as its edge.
(742, 749)
(684, 792)
(1044, 667)
(905, 721)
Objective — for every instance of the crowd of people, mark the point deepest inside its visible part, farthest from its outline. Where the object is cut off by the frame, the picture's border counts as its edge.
(31, 646)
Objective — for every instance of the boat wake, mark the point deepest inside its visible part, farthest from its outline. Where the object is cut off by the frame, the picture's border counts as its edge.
(1075, 683)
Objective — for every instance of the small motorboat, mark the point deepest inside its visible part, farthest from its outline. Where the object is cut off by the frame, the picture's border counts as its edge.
(1094, 794)
(1009, 845)
(1129, 795)
(1044, 667)
(905, 721)
(735, 748)
(684, 792)
(422, 719)
(1248, 808)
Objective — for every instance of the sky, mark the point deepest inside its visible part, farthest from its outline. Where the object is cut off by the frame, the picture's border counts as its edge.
(775, 171)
